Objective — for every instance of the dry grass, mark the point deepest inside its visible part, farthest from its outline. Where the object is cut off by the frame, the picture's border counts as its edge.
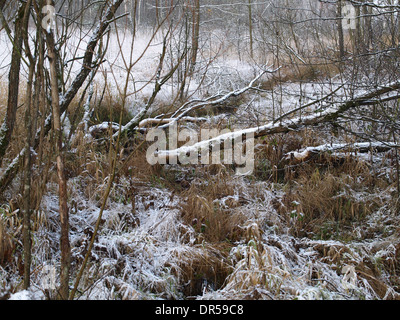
(321, 199)
(293, 72)
(270, 164)
(212, 221)
(202, 268)
(325, 196)
(10, 227)
(315, 199)
(110, 111)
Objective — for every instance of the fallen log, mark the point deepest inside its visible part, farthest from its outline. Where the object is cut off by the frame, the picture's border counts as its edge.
(329, 115)
(362, 147)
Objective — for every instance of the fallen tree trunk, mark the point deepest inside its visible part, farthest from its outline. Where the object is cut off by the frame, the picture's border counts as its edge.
(362, 147)
(181, 115)
(152, 122)
(189, 108)
(330, 115)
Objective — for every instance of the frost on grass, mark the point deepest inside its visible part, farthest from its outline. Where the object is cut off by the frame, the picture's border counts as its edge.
(148, 251)
(136, 254)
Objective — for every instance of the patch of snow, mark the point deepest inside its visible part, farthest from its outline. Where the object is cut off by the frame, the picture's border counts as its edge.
(30, 294)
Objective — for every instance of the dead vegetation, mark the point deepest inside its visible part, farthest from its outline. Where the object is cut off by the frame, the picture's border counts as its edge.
(286, 232)
(322, 226)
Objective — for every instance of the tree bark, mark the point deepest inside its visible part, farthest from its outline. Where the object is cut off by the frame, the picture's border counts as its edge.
(28, 158)
(251, 29)
(196, 35)
(340, 29)
(285, 124)
(7, 128)
(62, 180)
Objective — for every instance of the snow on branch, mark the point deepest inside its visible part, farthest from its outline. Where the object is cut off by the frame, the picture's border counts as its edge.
(361, 147)
(187, 108)
(86, 68)
(328, 115)
(99, 131)
(153, 121)
(131, 126)
(138, 122)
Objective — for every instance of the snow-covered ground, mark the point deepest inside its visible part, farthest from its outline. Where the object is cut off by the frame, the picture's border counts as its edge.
(146, 254)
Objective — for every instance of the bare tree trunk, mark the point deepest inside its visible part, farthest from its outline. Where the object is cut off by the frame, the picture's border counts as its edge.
(40, 91)
(368, 32)
(358, 32)
(62, 180)
(340, 29)
(398, 24)
(196, 35)
(13, 83)
(27, 185)
(28, 157)
(251, 30)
